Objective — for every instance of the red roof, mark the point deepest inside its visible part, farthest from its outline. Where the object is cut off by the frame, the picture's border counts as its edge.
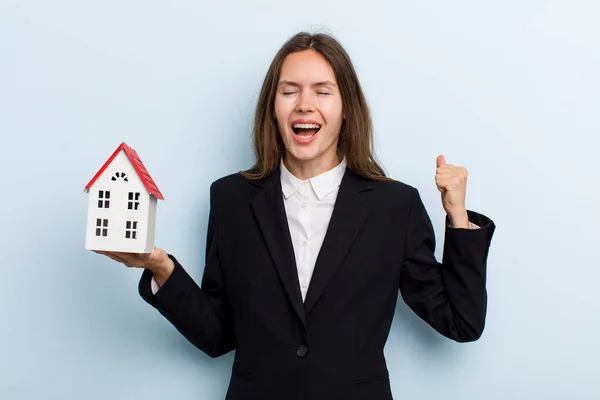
(139, 168)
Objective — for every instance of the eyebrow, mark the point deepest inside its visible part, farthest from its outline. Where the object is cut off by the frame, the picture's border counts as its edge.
(292, 83)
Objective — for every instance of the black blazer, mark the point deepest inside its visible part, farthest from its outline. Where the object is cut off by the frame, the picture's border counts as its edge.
(380, 239)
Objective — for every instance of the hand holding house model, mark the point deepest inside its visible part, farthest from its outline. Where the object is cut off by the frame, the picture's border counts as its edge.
(122, 205)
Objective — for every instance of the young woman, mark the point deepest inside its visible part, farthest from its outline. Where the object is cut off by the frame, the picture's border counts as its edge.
(307, 250)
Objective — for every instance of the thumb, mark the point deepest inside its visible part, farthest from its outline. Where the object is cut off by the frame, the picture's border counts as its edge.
(441, 160)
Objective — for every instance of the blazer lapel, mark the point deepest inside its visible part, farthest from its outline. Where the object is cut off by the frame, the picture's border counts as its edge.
(270, 213)
(349, 214)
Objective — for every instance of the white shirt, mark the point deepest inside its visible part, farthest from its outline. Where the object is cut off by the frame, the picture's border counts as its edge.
(308, 206)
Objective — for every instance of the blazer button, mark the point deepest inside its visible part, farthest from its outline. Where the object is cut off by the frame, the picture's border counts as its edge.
(302, 351)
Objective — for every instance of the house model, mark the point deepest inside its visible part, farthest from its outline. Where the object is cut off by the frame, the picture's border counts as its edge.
(122, 205)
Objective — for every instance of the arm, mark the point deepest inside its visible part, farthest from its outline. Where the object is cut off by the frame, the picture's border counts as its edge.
(450, 296)
(202, 315)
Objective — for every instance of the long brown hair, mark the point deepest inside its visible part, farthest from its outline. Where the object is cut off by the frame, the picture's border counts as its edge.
(356, 136)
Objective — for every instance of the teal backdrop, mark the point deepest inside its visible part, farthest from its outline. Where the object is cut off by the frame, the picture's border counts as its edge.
(508, 89)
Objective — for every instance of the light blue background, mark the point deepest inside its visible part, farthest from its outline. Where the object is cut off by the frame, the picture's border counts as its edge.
(510, 89)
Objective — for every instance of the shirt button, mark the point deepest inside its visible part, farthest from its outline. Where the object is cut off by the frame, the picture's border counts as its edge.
(304, 285)
(304, 243)
(303, 204)
(302, 351)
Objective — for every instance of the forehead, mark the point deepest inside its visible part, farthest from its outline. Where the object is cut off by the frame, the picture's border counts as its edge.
(306, 66)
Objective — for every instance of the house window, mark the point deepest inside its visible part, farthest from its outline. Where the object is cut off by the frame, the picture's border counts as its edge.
(103, 199)
(134, 201)
(120, 175)
(101, 227)
(130, 230)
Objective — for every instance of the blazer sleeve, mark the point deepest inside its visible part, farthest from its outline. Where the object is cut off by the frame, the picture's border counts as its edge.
(201, 314)
(450, 296)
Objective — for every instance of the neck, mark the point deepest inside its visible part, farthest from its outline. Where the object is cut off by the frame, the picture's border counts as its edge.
(304, 170)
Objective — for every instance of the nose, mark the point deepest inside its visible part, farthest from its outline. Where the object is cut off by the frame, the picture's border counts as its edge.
(305, 103)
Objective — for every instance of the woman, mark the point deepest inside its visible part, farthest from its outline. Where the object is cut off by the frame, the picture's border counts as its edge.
(307, 250)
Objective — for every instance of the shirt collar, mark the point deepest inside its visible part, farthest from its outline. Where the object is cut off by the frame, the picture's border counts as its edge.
(322, 184)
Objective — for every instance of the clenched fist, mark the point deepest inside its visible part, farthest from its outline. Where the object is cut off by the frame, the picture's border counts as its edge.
(451, 181)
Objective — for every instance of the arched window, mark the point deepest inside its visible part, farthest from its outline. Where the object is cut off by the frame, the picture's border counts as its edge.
(120, 175)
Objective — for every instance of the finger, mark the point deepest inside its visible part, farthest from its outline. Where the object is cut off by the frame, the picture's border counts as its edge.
(440, 186)
(130, 258)
(114, 257)
(440, 183)
(443, 176)
(127, 255)
(451, 175)
(441, 160)
(449, 170)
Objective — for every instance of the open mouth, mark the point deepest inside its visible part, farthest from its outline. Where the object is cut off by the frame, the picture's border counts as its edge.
(306, 131)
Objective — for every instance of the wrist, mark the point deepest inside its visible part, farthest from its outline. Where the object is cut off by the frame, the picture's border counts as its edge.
(162, 267)
(459, 219)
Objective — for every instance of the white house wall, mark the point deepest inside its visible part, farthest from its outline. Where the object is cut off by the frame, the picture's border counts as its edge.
(151, 222)
(118, 213)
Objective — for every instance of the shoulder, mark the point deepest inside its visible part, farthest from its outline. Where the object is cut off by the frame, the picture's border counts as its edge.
(385, 192)
(228, 182)
(394, 187)
(229, 185)
(235, 187)
(395, 199)
(390, 188)
(397, 195)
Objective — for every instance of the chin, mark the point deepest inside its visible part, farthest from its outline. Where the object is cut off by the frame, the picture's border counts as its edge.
(303, 155)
